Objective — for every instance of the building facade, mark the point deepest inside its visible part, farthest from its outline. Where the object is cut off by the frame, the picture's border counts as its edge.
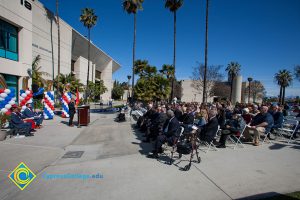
(28, 29)
(190, 94)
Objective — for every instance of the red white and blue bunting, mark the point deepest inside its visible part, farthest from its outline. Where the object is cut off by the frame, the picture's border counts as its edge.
(65, 100)
(7, 99)
(48, 105)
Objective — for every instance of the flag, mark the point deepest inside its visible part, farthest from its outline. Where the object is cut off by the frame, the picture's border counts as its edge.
(77, 97)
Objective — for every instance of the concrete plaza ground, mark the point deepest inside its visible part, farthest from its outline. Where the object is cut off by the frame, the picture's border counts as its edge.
(115, 151)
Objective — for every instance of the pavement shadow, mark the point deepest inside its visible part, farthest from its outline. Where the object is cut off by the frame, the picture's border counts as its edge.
(278, 146)
(146, 148)
(75, 123)
(268, 196)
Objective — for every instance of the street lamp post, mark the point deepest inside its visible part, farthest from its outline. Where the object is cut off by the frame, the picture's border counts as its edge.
(128, 95)
(249, 80)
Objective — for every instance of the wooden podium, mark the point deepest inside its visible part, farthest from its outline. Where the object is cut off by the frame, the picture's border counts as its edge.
(83, 113)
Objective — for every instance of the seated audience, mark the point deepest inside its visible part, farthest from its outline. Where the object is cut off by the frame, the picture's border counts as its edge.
(171, 130)
(261, 124)
(277, 116)
(18, 122)
(29, 114)
(208, 132)
(233, 126)
(156, 125)
(188, 118)
(246, 115)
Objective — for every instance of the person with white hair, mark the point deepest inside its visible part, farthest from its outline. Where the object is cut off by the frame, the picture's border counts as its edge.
(170, 134)
(261, 124)
(246, 115)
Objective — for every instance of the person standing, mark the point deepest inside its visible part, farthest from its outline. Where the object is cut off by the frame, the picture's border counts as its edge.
(72, 111)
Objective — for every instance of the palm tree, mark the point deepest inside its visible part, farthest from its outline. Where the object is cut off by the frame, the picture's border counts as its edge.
(131, 7)
(168, 70)
(58, 39)
(63, 80)
(233, 69)
(297, 72)
(284, 79)
(37, 74)
(173, 6)
(250, 79)
(89, 19)
(204, 95)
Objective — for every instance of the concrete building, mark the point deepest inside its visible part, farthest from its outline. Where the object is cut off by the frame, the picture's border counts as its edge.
(253, 98)
(190, 94)
(28, 29)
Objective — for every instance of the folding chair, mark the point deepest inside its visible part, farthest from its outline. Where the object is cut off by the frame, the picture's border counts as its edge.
(289, 128)
(211, 144)
(172, 148)
(266, 138)
(175, 145)
(236, 139)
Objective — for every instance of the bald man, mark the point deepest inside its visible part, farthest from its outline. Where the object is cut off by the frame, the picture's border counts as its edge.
(261, 124)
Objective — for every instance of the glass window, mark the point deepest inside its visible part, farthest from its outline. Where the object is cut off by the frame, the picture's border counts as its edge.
(12, 43)
(2, 40)
(8, 41)
(12, 82)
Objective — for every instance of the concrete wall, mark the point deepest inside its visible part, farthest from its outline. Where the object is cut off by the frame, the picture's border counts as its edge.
(106, 76)
(189, 94)
(16, 14)
(45, 43)
(80, 68)
(38, 36)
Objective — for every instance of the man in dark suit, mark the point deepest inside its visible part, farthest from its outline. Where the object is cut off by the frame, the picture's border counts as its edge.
(170, 134)
(208, 133)
(18, 122)
(28, 113)
(156, 125)
(188, 117)
(72, 111)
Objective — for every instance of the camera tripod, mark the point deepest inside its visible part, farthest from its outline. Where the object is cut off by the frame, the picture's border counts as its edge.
(192, 137)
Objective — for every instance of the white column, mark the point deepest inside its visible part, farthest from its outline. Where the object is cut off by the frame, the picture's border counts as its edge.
(106, 76)
(237, 90)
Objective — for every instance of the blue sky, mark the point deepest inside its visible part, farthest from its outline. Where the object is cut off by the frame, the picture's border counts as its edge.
(262, 35)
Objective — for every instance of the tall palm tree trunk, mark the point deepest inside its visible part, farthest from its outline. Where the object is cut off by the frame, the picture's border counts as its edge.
(231, 88)
(249, 92)
(52, 53)
(88, 72)
(280, 95)
(133, 53)
(283, 96)
(205, 60)
(174, 57)
(58, 42)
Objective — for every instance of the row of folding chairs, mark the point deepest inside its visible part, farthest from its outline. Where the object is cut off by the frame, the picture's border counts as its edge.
(288, 129)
